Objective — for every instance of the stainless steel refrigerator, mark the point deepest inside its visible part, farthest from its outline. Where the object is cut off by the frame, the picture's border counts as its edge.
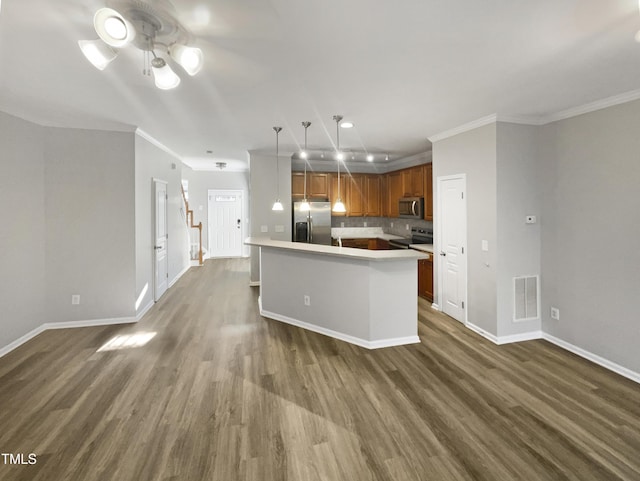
(312, 226)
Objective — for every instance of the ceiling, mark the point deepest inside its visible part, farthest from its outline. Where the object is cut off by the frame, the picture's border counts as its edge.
(401, 71)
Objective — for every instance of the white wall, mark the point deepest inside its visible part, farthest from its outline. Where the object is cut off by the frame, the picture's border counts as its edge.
(89, 195)
(264, 190)
(200, 182)
(22, 228)
(152, 162)
(518, 246)
(591, 230)
(474, 153)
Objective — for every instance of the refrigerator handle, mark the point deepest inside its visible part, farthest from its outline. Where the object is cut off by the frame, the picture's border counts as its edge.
(310, 231)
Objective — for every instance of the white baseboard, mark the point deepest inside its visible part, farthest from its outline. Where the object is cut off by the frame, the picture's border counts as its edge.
(525, 336)
(435, 306)
(21, 340)
(144, 310)
(64, 325)
(254, 283)
(529, 336)
(499, 340)
(398, 341)
(612, 366)
(487, 335)
(175, 279)
(89, 323)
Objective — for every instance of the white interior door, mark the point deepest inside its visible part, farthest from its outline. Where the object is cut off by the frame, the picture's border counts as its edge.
(452, 232)
(225, 223)
(160, 237)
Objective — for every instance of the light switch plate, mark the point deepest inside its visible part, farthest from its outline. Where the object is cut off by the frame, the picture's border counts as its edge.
(485, 246)
(264, 228)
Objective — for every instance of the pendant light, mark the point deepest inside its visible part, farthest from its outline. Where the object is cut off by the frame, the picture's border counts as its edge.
(339, 205)
(303, 155)
(277, 205)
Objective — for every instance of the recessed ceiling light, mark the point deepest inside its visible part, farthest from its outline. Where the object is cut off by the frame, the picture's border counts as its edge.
(346, 125)
(370, 158)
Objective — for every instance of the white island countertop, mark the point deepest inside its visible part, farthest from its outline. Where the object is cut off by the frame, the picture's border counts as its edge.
(348, 252)
(422, 247)
(362, 233)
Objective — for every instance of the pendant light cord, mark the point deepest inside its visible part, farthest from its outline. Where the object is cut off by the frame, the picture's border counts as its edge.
(277, 130)
(306, 126)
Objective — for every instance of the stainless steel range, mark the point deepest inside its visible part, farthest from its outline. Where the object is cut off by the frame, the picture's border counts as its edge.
(418, 236)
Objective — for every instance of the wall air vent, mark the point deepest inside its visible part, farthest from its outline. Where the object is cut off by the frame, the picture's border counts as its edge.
(526, 301)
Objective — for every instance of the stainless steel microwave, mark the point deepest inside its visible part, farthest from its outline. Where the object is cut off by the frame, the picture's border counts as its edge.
(411, 207)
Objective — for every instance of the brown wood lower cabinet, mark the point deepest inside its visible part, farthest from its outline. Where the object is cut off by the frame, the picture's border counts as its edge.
(357, 243)
(372, 243)
(425, 277)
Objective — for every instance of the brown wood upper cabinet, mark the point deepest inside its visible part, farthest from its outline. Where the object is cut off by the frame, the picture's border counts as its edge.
(356, 195)
(394, 186)
(372, 196)
(317, 185)
(428, 192)
(297, 185)
(413, 182)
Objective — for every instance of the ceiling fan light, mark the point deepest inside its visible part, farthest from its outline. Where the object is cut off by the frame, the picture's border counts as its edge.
(303, 154)
(113, 28)
(165, 78)
(369, 157)
(97, 52)
(189, 58)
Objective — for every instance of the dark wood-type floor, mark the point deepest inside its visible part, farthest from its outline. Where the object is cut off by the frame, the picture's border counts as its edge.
(223, 394)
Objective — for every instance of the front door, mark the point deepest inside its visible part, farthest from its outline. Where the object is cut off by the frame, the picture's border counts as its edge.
(225, 223)
(160, 237)
(452, 267)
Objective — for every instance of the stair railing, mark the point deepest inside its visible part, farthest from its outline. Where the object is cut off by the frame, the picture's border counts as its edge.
(191, 225)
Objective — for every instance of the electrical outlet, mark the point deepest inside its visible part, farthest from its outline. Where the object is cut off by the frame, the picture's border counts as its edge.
(392, 224)
(555, 313)
(75, 299)
(406, 226)
(264, 228)
(307, 300)
(341, 224)
(365, 224)
(279, 228)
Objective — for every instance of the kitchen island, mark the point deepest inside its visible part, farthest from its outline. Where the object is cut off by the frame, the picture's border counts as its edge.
(367, 298)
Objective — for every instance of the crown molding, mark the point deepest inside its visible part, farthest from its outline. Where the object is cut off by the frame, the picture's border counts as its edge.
(489, 119)
(152, 140)
(593, 106)
(215, 169)
(520, 119)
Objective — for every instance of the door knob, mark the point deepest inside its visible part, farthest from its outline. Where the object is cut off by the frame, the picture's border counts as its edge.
(443, 253)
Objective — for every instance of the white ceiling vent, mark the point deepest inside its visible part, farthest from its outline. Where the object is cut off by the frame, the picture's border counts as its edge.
(526, 301)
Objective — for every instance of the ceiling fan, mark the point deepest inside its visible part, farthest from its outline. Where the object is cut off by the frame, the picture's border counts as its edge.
(147, 27)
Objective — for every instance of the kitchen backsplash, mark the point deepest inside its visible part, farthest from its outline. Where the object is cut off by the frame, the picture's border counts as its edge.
(399, 225)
